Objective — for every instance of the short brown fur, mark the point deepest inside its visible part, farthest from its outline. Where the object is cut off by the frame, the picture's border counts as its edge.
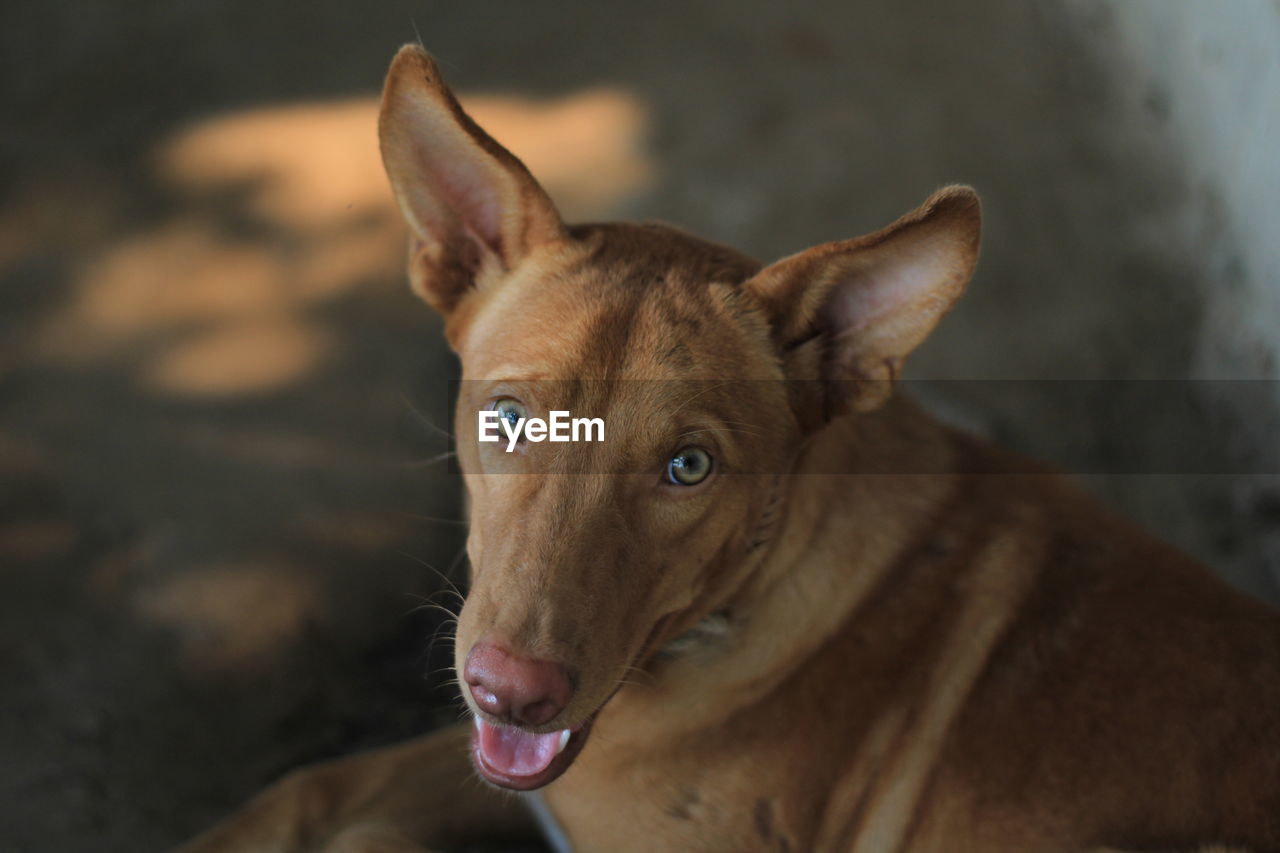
(934, 661)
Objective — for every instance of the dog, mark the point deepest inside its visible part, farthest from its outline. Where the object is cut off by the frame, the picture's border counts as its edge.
(780, 608)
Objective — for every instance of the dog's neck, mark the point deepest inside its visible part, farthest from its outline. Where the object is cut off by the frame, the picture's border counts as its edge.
(841, 531)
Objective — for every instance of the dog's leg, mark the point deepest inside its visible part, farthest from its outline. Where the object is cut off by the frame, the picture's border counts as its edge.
(421, 792)
(373, 838)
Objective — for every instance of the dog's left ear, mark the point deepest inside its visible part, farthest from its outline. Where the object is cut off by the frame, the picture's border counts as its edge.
(472, 207)
(848, 313)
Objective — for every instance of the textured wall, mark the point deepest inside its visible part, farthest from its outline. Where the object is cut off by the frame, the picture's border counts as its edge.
(1200, 84)
(1214, 68)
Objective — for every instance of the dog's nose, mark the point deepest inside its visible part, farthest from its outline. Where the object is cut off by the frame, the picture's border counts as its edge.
(516, 689)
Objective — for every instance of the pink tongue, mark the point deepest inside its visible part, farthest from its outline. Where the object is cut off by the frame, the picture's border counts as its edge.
(516, 752)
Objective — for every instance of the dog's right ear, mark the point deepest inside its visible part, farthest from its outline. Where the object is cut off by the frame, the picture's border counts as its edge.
(473, 209)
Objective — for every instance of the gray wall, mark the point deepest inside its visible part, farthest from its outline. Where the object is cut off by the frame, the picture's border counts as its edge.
(1212, 71)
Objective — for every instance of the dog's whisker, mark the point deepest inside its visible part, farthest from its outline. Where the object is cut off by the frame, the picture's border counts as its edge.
(728, 430)
(445, 591)
(429, 605)
(450, 591)
(699, 394)
(426, 421)
(448, 629)
(445, 577)
(450, 616)
(432, 606)
(417, 35)
(641, 678)
(457, 558)
(431, 460)
(739, 431)
(739, 424)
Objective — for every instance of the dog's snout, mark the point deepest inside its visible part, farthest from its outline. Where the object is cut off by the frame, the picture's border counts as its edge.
(515, 689)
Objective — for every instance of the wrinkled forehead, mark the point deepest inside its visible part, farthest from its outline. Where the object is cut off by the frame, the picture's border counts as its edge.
(618, 303)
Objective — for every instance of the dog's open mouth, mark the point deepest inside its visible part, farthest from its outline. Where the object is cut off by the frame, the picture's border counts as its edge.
(514, 758)
(520, 760)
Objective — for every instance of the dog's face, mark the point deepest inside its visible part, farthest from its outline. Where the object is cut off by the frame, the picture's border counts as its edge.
(594, 554)
(588, 557)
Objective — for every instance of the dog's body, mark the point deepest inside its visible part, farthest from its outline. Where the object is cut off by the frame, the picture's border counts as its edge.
(950, 650)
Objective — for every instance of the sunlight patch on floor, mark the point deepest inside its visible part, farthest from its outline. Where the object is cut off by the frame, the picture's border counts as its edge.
(285, 209)
(36, 539)
(314, 166)
(234, 617)
(259, 354)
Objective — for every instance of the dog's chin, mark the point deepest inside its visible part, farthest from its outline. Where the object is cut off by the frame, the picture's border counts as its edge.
(522, 761)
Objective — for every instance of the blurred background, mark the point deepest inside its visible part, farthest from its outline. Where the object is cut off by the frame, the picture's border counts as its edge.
(223, 506)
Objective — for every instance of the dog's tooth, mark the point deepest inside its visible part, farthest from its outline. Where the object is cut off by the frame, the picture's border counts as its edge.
(564, 740)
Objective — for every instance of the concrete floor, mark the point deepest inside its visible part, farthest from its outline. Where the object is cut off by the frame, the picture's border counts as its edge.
(219, 405)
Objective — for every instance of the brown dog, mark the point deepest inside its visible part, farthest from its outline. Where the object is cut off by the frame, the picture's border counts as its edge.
(777, 609)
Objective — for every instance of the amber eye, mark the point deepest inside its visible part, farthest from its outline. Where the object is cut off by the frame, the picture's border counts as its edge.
(512, 411)
(689, 467)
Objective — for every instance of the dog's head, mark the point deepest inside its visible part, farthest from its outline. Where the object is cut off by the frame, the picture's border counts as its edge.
(707, 371)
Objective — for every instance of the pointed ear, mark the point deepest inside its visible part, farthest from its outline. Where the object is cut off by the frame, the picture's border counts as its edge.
(848, 313)
(473, 209)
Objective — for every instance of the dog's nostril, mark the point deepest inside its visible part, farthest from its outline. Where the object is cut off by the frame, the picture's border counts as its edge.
(520, 690)
(537, 713)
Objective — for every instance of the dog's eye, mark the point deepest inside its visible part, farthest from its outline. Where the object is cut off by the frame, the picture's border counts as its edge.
(510, 410)
(689, 466)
